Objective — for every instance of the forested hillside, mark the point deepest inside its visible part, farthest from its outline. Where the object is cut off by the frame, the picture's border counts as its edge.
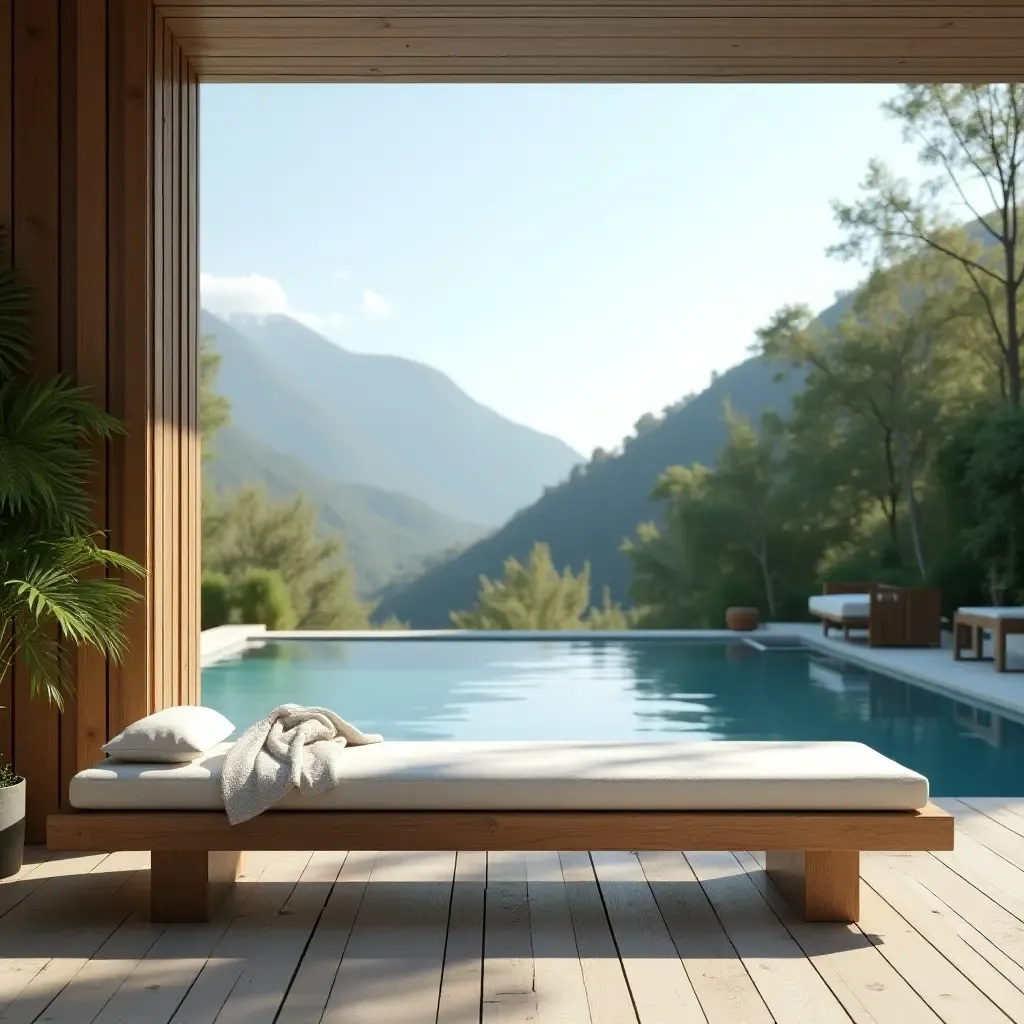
(387, 535)
(586, 518)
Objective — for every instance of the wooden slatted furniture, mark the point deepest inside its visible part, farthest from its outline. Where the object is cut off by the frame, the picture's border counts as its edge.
(812, 806)
(970, 624)
(196, 855)
(891, 616)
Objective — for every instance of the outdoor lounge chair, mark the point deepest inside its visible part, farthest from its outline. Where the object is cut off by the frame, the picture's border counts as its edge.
(892, 616)
(812, 806)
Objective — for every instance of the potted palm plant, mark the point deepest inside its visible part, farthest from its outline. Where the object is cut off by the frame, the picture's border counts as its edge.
(59, 586)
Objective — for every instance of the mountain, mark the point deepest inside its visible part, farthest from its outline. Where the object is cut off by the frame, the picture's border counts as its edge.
(380, 421)
(587, 518)
(387, 535)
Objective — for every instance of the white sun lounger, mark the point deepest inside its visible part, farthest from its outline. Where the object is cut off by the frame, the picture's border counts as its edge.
(812, 806)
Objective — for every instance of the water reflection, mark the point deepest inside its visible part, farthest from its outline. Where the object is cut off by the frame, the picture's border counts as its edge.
(616, 690)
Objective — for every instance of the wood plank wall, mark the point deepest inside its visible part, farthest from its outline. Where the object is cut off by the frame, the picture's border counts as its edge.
(601, 40)
(98, 184)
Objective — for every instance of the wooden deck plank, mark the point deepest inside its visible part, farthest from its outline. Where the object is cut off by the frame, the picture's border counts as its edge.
(922, 902)
(569, 938)
(558, 976)
(508, 991)
(50, 938)
(463, 973)
(926, 954)
(160, 981)
(261, 988)
(867, 985)
(391, 968)
(658, 981)
(311, 987)
(226, 964)
(1009, 812)
(790, 986)
(603, 975)
(992, 831)
(726, 991)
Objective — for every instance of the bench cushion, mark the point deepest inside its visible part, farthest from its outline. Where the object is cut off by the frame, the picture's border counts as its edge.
(538, 776)
(840, 606)
(1011, 612)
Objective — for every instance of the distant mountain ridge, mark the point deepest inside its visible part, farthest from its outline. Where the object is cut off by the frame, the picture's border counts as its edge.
(587, 518)
(380, 421)
(387, 535)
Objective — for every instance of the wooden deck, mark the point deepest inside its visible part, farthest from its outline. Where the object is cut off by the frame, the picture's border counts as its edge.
(498, 938)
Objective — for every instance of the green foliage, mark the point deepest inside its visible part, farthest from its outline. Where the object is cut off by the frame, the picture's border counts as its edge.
(531, 596)
(536, 596)
(609, 615)
(215, 600)
(263, 597)
(974, 136)
(8, 776)
(214, 408)
(729, 536)
(981, 470)
(246, 530)
(58, 585)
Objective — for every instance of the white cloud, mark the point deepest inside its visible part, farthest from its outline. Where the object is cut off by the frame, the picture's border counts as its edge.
(374, 304)
(253, 294)
(342, 275)
(257, 295)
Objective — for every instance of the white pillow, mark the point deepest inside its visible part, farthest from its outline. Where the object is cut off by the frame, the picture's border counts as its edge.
(175, 734)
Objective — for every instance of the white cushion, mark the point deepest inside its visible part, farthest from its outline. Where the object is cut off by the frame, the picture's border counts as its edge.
(173, 735)
(995, 613)
(538, 776)
(840, 606)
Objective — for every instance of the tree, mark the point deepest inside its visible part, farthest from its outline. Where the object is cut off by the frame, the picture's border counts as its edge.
(981, 469)
(214, 408)
(878, 382)
(262, 597)
(676, 565)
(246, 530)
(974, 136)
(537, 596)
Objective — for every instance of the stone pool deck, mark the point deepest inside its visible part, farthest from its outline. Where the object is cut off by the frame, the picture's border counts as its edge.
(967, 680)
(505, 938)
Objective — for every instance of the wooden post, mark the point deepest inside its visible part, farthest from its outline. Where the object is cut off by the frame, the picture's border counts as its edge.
(186, 885)
(823, 884)
(85, 189)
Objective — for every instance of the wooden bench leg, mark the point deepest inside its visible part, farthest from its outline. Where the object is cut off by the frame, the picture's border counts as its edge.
(186, 885)
(823, 884)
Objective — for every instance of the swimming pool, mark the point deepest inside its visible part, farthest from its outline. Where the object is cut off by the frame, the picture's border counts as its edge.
(621, 689)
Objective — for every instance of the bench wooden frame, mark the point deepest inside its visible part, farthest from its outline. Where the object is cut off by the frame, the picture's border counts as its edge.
(897, 617)
(813, 857)
(969, 631)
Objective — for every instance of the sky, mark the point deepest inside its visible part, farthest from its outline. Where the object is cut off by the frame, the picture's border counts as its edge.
(571, 255)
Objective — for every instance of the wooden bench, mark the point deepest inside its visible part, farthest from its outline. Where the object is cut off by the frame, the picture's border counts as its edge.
(812, 806)
(970, 624)
(891, 616)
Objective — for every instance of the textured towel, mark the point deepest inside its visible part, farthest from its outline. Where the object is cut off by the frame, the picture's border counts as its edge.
(292, 748)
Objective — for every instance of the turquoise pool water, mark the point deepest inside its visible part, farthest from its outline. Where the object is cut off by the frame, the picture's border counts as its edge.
(647, 689)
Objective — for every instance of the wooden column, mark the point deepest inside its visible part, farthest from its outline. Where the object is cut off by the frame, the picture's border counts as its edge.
(98, 184)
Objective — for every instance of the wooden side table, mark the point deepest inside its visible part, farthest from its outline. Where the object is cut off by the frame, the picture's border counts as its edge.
(969, 625)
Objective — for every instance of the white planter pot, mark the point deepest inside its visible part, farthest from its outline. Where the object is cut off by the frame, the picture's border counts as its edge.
(12, 828)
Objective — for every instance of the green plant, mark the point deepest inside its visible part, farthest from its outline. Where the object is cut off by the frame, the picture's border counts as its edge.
(59, 588)
(8, 776)
(215, 600)
(262, 596)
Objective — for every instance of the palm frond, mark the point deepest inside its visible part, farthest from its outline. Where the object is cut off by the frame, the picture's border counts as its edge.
(15, 310)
